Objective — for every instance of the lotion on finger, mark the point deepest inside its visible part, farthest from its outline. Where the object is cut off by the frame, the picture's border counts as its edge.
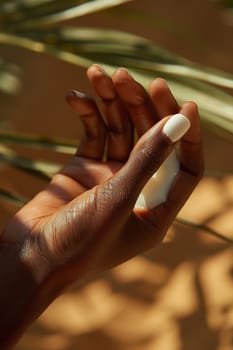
(156, 190)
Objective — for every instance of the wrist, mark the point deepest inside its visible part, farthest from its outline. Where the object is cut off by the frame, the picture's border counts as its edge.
(22, 297)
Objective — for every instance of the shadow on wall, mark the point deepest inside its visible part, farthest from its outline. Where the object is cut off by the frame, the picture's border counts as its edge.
(169, 298)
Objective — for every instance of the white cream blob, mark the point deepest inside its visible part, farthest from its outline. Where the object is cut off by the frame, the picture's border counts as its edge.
(156, 189)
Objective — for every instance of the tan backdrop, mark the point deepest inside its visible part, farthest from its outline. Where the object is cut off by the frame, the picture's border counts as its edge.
(179, 296)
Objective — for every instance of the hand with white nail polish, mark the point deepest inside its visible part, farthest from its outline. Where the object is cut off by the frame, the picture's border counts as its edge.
(113, 200)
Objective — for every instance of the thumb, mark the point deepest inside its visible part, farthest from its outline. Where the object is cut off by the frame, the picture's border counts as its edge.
(147, 156)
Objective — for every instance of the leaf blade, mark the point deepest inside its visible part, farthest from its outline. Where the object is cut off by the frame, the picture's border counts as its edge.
(216, 106)
(40, 169)
(36, 141)
(12, 198)
(31, 14)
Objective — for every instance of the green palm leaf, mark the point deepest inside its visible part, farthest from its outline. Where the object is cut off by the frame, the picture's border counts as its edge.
(34, 13)
(82, 46)
(35, 141)
(12, 198)
(226, 3)
(41, 169)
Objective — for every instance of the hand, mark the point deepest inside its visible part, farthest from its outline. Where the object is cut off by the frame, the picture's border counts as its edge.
(85, 220)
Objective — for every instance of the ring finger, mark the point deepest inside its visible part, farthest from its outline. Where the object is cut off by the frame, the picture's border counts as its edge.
(93, 142)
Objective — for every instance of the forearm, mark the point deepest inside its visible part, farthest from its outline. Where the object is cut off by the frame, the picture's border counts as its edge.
(22, 299)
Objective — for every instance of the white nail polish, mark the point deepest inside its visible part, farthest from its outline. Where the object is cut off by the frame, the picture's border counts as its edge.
(176, 127)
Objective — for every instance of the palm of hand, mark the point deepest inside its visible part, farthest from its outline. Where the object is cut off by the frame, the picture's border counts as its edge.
(70, 191)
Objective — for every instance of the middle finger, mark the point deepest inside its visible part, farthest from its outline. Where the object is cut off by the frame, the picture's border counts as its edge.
(136, 100)
(119, 125)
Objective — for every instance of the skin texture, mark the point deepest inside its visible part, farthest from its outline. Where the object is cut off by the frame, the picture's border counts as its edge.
(84, 221)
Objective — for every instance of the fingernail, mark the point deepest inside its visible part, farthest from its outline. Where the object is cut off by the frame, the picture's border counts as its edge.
(97, 69)
(176, 127)
(122, 72)
(76, 93)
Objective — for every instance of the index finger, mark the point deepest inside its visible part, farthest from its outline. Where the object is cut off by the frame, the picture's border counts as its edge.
(190, 155)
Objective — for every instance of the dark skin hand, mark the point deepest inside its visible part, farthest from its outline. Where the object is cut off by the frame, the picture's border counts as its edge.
(84, 221)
